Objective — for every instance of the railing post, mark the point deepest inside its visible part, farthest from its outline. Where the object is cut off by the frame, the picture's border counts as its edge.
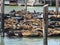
(2, 16)
(45, 26)
(26, 5)
(57, 6)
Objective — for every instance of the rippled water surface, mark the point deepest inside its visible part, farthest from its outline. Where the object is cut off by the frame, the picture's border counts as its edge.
(29, 8)
(30, 41)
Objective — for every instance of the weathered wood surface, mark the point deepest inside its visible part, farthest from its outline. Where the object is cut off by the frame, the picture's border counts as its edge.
(45, 25)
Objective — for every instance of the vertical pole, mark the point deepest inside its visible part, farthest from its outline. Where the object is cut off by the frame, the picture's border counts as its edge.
(57, 6)
(26, 5)
(45, 28)
(2, 14)
(2, 23)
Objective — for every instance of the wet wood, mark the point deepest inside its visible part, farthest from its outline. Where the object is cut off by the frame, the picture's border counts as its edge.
(25, 5)
(57, 7)
(45, 26)
(2, 14)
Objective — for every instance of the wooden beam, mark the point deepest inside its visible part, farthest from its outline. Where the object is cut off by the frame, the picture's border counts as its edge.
(26, 5)
(57, 6)
(45, 26)
(2, 15)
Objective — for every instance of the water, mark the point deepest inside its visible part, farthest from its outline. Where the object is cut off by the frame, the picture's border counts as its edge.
(29, 41)
(29, 8)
